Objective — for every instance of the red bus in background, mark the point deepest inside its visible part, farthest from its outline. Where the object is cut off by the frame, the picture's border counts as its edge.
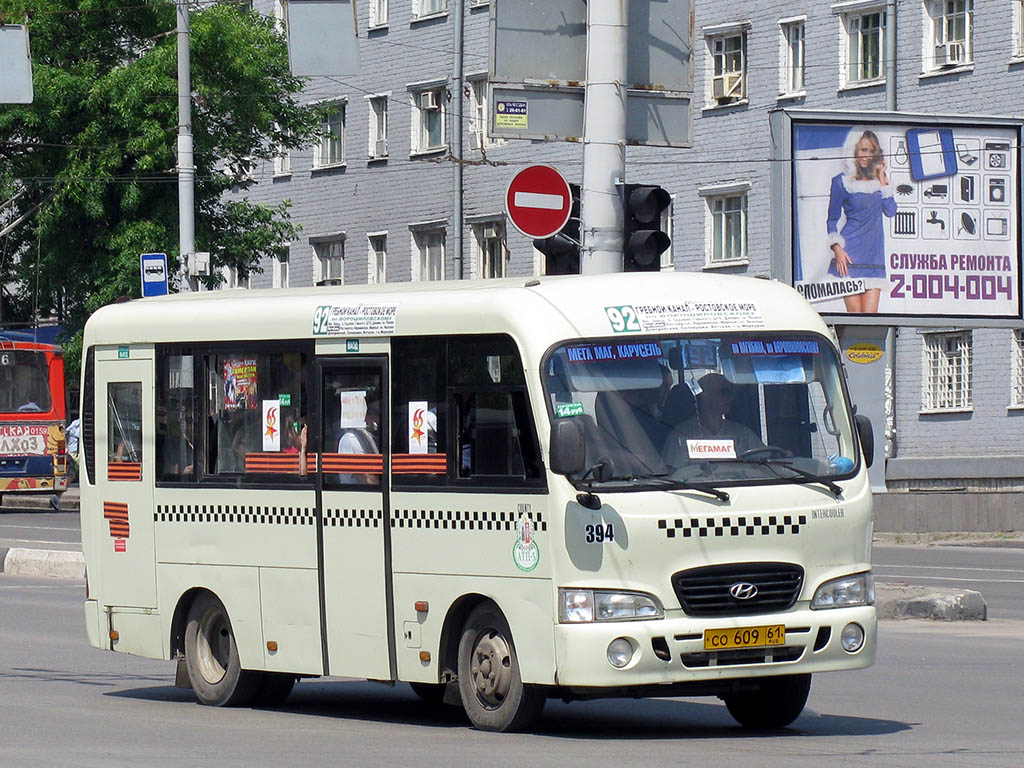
(33, 408)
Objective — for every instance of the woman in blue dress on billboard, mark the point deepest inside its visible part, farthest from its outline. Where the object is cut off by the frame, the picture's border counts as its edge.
(864, 195)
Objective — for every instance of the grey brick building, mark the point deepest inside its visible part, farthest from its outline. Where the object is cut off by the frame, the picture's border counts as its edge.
(379, 202)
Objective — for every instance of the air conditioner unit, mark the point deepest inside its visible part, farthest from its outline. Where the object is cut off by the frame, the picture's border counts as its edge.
(428, 100)
(489, 231)
(380, 148)
(475, 139)
(726, 88)
(950, 54)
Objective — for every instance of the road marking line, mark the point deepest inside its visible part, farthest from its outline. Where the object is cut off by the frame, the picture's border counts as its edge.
(37, 527)
(40, 541)
(538, 200)
(956, 568)
(950, 578)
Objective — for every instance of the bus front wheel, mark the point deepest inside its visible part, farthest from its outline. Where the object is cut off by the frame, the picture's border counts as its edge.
(211, 656)
(493, 693)
(777, 702)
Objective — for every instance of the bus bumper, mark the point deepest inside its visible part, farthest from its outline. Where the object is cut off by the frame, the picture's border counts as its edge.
(671, 650)
(93, 619)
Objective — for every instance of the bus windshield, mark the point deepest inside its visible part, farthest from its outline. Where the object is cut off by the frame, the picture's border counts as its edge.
(729, 409)
(24, 381)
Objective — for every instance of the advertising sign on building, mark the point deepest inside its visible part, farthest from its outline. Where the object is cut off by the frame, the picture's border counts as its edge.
(903, 219)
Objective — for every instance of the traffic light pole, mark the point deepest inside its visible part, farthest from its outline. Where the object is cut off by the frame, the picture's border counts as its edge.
(604, 136)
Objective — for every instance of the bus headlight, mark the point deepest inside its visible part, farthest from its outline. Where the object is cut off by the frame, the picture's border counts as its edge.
(845, 592)
(582, 606)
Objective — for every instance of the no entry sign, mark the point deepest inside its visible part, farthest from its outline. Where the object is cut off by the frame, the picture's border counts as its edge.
(538, 201)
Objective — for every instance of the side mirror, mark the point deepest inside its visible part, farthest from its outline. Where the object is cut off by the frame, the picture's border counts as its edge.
(867, 438)
(568, 451)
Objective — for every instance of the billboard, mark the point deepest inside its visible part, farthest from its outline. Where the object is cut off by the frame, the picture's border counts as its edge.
(907, 219)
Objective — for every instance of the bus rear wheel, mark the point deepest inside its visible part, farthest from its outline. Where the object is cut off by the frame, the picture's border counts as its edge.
(777, 703)
(211, 656)
(493, 693)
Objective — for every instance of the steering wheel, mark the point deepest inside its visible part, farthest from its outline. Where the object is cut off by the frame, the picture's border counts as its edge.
(767, 450)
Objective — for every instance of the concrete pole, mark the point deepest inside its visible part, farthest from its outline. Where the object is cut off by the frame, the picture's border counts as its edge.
(890, 55)
(604, 136)
(186, 163)
(457, 128)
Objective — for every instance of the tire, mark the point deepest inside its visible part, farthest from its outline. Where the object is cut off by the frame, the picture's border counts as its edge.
(777, 703)
(493, 693)
(211, 656)
(273, 689)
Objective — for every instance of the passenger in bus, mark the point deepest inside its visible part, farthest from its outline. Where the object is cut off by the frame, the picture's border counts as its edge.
(297, 440)
(361, 438)
(710, 423)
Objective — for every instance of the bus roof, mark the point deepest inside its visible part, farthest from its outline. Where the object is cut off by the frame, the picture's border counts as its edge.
(537, 311)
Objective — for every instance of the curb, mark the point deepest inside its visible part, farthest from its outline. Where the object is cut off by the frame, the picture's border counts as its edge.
(50, 563)
(905, 602)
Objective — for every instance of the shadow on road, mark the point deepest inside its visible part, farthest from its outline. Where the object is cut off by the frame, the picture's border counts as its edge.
(646, 719)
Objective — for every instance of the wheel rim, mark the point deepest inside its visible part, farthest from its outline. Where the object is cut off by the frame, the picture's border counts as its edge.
(213, 646)
(491, 668)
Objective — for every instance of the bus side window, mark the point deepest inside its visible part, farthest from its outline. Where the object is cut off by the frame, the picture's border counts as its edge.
(496, 440)
(418, 413)
(175, 416)
(124, 422)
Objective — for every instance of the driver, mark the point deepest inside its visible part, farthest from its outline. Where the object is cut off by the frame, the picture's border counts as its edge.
(710, 424)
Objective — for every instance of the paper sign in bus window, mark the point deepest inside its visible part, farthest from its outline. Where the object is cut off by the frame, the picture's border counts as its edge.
(710, 449)
(240, 384)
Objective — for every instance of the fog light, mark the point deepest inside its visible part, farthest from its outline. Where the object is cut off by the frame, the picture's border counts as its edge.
(852, 638)
(620, 652)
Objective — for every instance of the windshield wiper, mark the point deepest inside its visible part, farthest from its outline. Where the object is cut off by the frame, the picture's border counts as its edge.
(669, 484)
(788, 464)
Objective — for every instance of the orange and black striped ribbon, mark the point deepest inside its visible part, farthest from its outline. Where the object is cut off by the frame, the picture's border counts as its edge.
(419, 463)
(354, 463)
(128, 471)
(116, 514)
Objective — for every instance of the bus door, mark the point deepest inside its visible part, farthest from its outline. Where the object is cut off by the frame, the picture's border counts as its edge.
(124, 475)
(356, 535)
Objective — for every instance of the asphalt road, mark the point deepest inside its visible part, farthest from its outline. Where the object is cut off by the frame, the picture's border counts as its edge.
(40, 530)
(942, 694)
(996, 572)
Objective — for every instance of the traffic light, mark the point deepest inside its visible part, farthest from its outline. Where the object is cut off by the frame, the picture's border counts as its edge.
(562, 250)
(643, 242)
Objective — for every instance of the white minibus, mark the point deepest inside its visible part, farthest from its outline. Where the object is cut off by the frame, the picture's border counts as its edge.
(502, 491)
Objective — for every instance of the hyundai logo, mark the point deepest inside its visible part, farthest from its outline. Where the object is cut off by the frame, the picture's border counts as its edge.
(743, 590)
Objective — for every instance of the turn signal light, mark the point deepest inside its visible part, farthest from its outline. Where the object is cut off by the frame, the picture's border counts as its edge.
(272, 646)
(114, 636)
(424, 656)
(421, 606)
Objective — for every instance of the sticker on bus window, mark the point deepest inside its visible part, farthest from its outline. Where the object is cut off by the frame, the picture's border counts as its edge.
(362, 319)
(588, 353)
(564, 410)
(422, 422)
(711, 449)
(240, 384)
(271, 425)
(759, 347)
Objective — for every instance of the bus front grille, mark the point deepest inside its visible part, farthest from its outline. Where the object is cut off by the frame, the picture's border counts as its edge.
(726, 590)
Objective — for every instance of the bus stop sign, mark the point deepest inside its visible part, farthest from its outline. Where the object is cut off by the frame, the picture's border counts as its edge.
(538, 201)
(154, 274)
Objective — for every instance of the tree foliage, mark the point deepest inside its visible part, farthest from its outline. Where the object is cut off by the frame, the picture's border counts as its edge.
(91, 162)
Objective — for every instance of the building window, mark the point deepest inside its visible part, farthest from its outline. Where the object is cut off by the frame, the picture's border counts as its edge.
(950, 26)
(378, 13)
(428, 122)
(378, 127)
(330, 261)
(492, 255)
(792, 57)
(478, 114)
(1017, 385)
(728, 213)
(865, 46)
(947, 371)
(331, 150)
(429, 254)
(729, 67)
(421, 8)
(280, 276)
(1018, 29)
(378, 256)
(283, 158)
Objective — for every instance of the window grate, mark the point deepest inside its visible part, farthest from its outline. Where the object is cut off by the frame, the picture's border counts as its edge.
(948, 371)
(1017, 380)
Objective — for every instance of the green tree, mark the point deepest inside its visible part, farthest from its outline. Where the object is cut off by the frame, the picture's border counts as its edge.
(91, 162)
